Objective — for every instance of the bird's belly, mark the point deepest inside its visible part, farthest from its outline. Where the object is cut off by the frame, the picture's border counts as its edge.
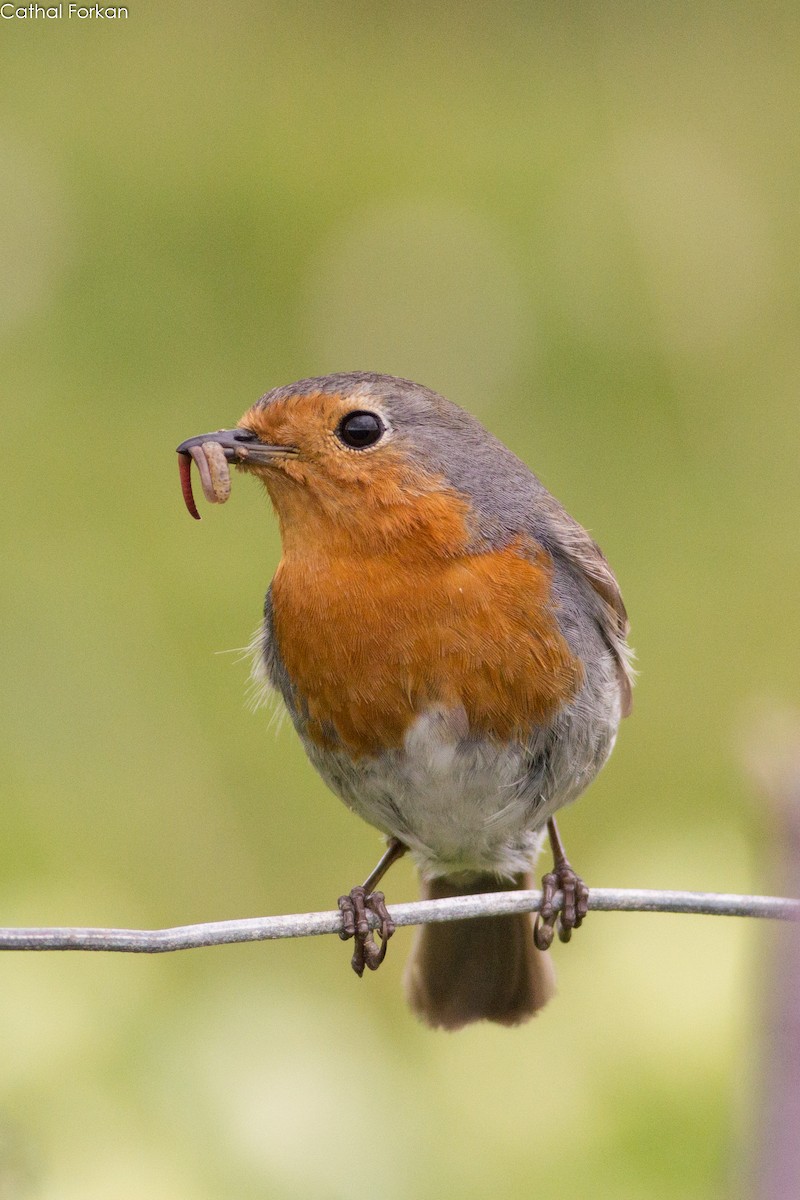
(461, 805)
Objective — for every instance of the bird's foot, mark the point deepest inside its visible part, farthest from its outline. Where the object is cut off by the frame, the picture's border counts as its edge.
(575, 906)
(355, 924)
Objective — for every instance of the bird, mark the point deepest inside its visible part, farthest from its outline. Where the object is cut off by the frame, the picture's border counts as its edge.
(451, 647)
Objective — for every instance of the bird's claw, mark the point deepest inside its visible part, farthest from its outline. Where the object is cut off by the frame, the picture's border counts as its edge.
(574, 907)
(355, 924)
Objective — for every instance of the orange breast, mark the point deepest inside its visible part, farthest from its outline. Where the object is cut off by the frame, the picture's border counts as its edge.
(371, 642)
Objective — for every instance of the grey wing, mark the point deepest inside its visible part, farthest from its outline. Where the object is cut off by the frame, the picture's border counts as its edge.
(571, 545)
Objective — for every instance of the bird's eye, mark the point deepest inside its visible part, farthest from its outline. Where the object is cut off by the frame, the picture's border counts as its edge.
(360, 429)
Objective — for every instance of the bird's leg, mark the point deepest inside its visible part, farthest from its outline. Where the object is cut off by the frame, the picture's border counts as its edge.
(394, 850)
(355, 909)
(576, 896)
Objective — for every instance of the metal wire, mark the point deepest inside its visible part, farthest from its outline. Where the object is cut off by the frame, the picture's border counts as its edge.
(456, 908)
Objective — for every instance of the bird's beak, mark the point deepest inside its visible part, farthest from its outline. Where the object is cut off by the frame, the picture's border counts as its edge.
(212, 452)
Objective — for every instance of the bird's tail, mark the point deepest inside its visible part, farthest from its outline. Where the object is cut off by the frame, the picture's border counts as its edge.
(481, 969)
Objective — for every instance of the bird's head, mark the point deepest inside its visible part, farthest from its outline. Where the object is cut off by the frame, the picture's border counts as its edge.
(367, 458)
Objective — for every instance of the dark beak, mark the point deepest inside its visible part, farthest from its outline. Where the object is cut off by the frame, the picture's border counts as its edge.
(240, 446)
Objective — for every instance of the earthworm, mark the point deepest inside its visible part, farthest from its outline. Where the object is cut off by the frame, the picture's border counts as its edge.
(185, 468)
(218, 470)
(209, 458)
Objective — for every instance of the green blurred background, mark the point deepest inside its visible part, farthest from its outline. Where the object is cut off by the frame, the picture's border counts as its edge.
(579, 221)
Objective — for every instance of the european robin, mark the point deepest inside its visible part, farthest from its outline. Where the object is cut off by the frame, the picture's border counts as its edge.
(450, 645)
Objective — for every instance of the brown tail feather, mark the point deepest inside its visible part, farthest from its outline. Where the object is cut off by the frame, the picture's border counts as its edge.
(483, 969)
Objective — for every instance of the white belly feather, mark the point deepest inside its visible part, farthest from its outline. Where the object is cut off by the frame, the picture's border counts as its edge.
(460, 805)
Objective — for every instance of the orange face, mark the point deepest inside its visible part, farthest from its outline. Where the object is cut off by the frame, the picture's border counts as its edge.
(331, 494)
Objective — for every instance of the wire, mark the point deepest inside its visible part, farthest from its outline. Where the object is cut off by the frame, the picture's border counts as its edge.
(455, 908)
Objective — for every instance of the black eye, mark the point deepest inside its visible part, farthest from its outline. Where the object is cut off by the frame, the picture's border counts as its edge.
(360, 429)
